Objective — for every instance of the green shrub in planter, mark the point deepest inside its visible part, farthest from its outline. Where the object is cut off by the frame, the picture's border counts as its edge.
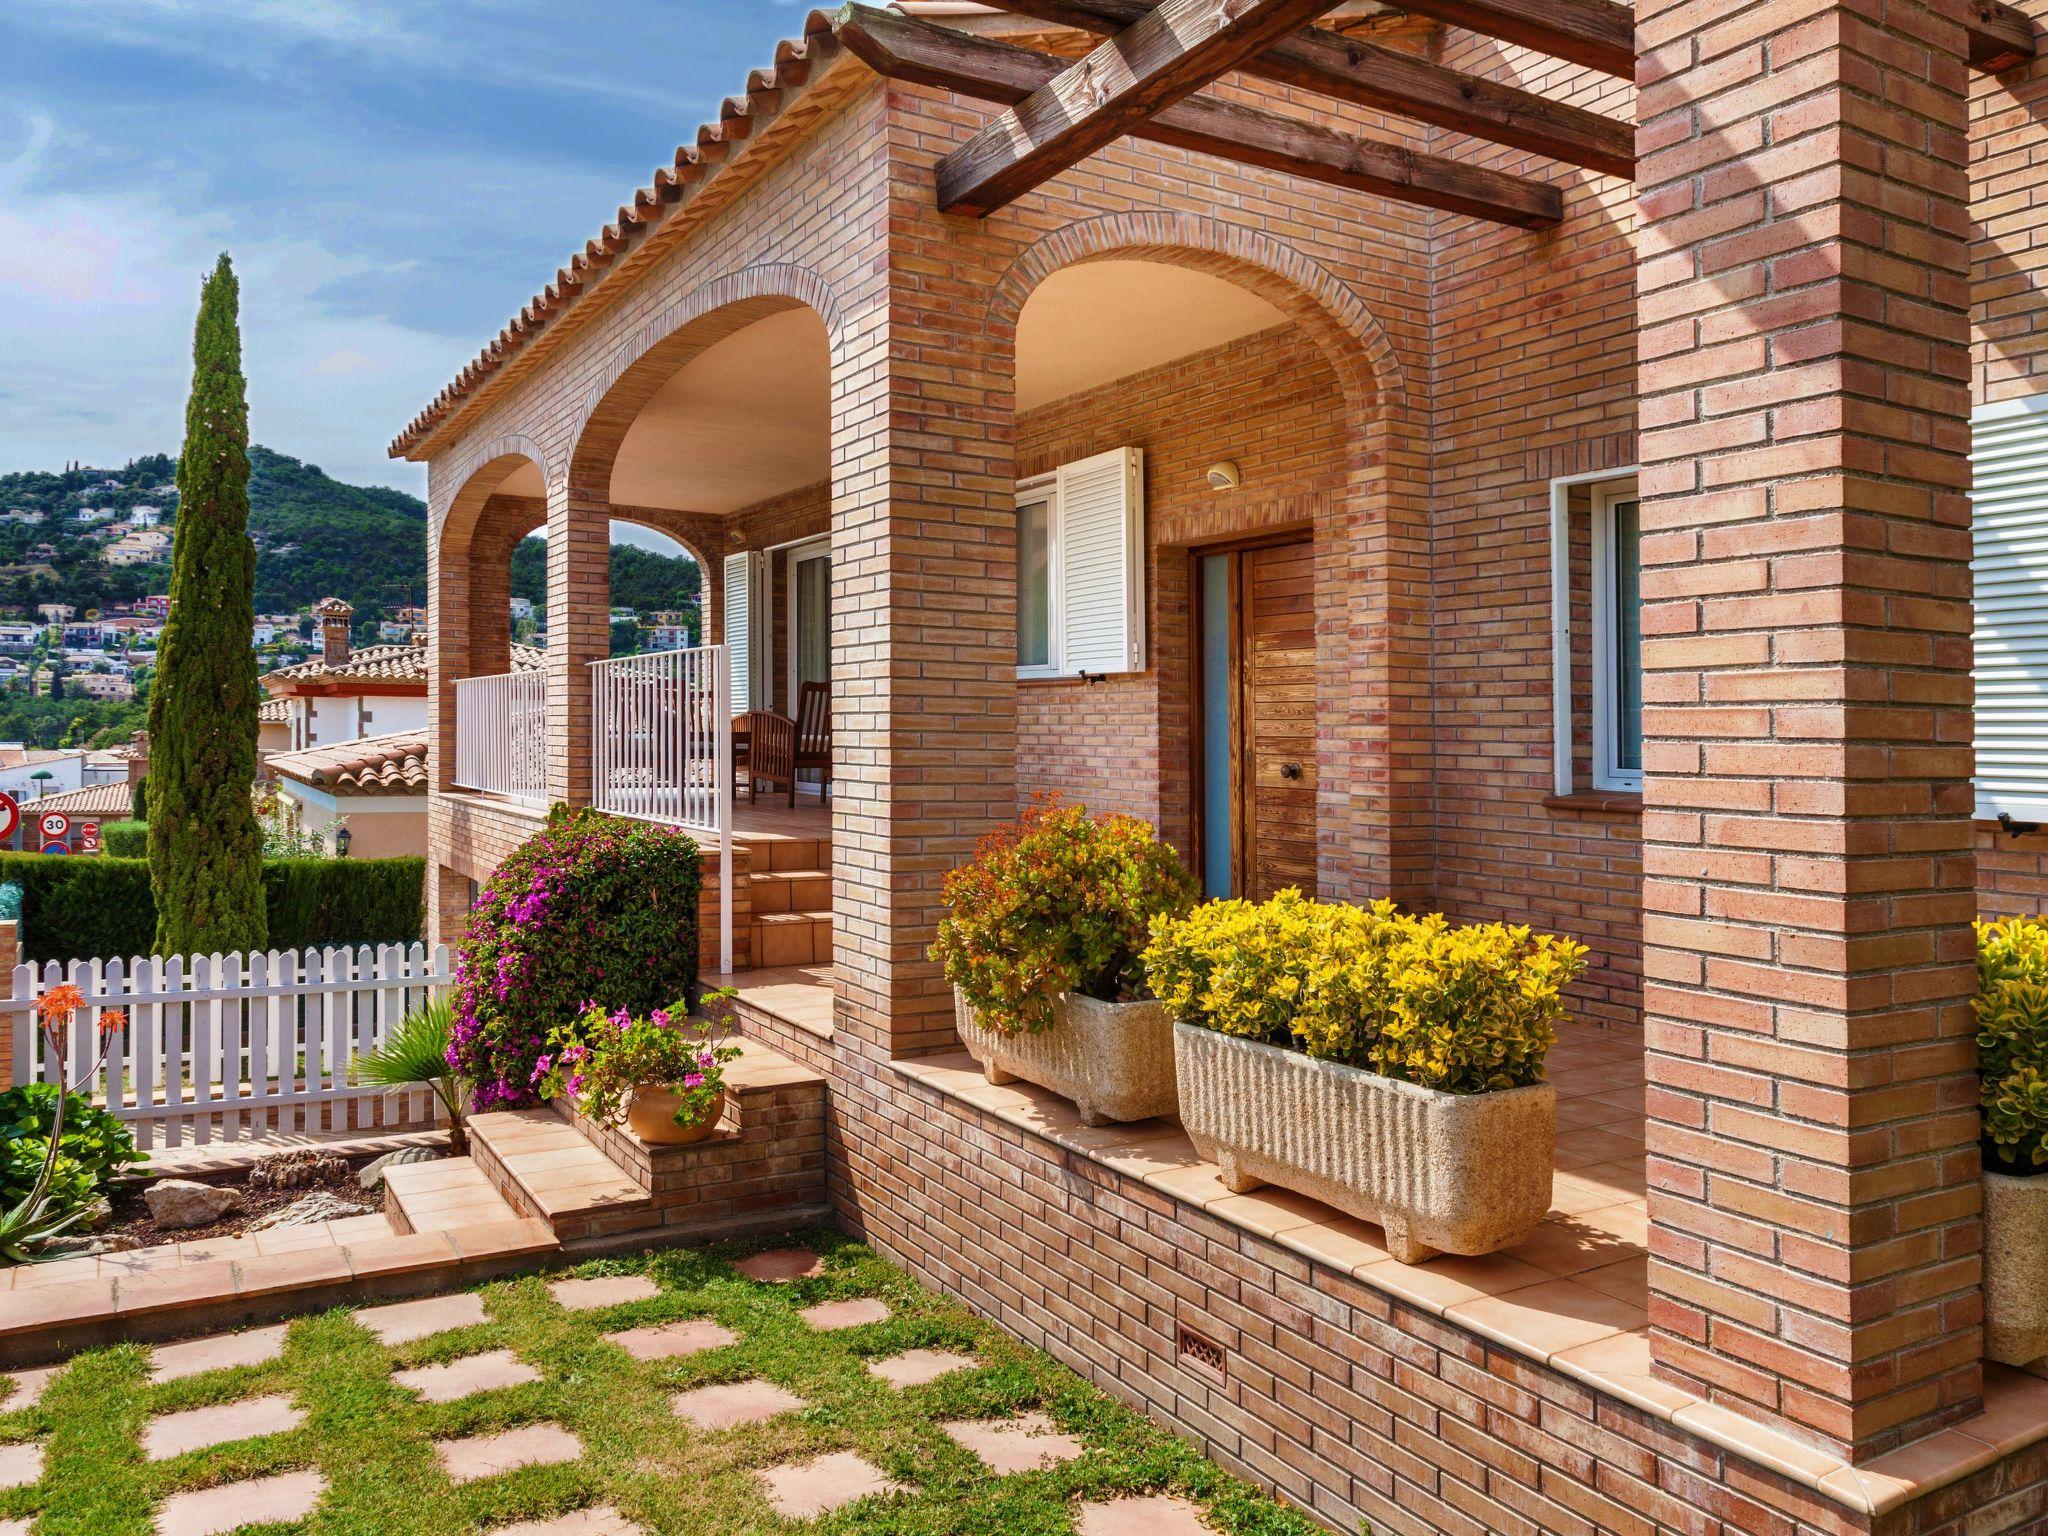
(1058, 902)
(2012, 1042)
(125, 839)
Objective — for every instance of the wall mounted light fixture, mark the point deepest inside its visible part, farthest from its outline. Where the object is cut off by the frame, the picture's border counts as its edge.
(1224, 476)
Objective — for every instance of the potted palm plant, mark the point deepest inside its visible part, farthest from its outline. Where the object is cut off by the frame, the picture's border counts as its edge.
(414, 1055)
(657, 1074)
(1043, 940)
(2012, 1066)
(1388, 1065)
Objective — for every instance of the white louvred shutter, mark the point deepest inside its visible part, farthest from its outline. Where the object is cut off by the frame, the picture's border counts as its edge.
(2009, 530)
(1102, 562)
(742, 576)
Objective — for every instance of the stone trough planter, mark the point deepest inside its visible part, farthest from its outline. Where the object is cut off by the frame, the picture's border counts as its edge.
(2015, 1268)
(1114, 1060)
(1438, 1172)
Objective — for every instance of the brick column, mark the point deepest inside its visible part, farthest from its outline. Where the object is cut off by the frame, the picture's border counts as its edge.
(579, 626)
(1807, 851)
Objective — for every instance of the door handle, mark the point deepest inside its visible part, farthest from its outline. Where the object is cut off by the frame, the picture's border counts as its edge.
(1290, 770)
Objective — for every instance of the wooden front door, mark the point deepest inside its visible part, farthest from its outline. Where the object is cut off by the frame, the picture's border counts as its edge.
(1257, 705)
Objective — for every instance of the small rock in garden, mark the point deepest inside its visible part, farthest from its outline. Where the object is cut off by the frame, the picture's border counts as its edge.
(187, 1203)
(372, 1176)
(321, 1205)
(88, 1246)
(301, 1169)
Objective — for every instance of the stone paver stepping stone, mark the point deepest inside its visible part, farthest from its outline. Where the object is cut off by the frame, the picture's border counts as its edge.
(217, 1352)
(259, 1501)
(830, 1315)
(28, 1387)
(404, 1321)
(734, 1402)
(672, 1341)
(798, 1490)
(1155, 1516)
(602, 1291)
(15, 1528)
(471, 1374)
(601, 1521)
(1030, 1443)
(20, 1465)
(778, 1265)
(915, 1367)
(531, 1445)
(193, 1430)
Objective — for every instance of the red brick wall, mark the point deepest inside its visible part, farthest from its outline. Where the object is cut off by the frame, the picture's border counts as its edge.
(1271, 403)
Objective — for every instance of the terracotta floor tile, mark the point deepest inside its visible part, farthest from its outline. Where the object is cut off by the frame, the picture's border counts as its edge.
(1626, 1280)
(216, 1352)
(1583, 1148)
(259, 1501)
(915, 1367)
(2015, 1409)
(602, 1521)
(1444, 1283)
(530, 1445)
(1565, 1245)
(803, 1489)
(1542, 1320)
(1620, 1364)
(28, 1387)
(1197, 1184)
(673, 1341)
(732, 1403)
(1155, 1516)
(1030, 1443)
(173, 1434)
(21, 1464)
(780, 1264)
(1342, 1242)
(602, 1291)
(1269, 1212)
(449, 1383)
(404, 1321)
(831, 1316)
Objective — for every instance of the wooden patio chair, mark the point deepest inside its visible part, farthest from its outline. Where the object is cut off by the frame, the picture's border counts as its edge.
(771, 753)
(814, 736)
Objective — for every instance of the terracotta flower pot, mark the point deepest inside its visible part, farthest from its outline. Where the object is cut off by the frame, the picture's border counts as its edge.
(1439, 1172)
(2015, 1268)
(1114, 1060)
(651, 1115)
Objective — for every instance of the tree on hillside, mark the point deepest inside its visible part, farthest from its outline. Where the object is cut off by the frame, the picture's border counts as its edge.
(205, 846)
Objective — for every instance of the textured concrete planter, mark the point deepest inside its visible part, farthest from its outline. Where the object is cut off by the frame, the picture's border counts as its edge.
(2015, 1268)
(1439, 1172)
(1114, 1060)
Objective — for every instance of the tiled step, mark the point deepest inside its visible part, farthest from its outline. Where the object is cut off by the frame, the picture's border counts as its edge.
(792, 890)
(442, 1195)
(774, 852)
(544, 1168)
(791, 938)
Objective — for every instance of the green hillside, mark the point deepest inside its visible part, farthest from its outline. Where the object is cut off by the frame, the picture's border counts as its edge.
(315, 537)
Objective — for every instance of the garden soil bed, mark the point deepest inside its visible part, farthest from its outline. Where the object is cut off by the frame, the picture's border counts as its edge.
(133, 1221)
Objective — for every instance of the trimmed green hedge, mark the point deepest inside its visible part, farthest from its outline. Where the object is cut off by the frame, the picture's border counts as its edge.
(81, 907)
(126, 839)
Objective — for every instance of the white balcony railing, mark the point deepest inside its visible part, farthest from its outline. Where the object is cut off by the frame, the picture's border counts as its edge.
(661, 732)
(501, 735)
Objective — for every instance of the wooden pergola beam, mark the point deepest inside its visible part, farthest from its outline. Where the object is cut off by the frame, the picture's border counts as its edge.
(1388, 80)
(900, 48)
(1172, 51)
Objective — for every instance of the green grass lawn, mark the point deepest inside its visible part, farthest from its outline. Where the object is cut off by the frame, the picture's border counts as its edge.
(373, 1440)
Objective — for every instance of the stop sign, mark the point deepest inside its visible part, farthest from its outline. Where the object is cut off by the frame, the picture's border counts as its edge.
(88, 837)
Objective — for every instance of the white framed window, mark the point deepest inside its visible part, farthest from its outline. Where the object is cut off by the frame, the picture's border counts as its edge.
(1616, 641)
(2009, 571)
(1081, 568)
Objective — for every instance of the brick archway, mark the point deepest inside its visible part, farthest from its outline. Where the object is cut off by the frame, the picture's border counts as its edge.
(1372, 839)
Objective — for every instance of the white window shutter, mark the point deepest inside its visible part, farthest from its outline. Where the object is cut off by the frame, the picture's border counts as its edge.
(1102, 562)
(742, 576)
(2009, 528)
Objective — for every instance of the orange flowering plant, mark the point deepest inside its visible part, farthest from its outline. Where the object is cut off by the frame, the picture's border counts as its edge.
(1058, 902)
(44, 1212)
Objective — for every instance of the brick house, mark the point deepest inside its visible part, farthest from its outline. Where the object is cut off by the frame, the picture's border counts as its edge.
(1402, 501)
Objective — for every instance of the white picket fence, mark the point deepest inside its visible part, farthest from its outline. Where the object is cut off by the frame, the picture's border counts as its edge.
(234, 1047)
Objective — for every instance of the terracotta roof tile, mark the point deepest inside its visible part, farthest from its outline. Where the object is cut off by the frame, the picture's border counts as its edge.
(400, 663)
(274, 711)
(374, 765)
(112, 799)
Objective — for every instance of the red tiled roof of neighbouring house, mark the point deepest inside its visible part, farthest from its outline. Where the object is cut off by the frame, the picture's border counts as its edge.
(110, 799)
(374, 765)
(274, 712)
(404, 663)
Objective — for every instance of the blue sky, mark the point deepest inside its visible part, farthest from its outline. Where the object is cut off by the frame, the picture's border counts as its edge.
(394, 178)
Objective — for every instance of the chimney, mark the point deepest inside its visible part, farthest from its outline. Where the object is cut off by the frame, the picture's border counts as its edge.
(333, 615)
(138, 756)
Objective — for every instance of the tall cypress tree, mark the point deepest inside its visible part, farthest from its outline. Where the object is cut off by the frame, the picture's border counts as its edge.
(205, 846)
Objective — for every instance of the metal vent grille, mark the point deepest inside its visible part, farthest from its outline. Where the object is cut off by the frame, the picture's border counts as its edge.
(1201, 1354)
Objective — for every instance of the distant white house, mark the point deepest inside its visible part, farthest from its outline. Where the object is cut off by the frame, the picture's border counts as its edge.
(522, 607)
(24, 515)
(263, 632)
(92, 514)
(18, 638)
(145, 517)
(667, 637)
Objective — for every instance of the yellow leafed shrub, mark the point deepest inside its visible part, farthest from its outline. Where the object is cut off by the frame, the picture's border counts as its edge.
(2012, 1042)
(1464, 1009)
